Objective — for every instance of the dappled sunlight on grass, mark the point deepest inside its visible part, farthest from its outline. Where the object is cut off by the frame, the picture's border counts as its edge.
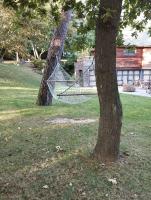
(9, 116)
(51, 161)
(17, 88)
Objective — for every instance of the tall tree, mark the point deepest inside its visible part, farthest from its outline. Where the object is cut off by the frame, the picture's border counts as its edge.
(108, 20)
(54, 55)
(107, 147)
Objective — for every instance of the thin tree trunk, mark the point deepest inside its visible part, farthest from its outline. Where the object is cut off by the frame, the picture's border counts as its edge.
(34, 50)
(42, 51)
(17, 57)
(108, 142)
(36, 53)
(54, 55)
(2, 54)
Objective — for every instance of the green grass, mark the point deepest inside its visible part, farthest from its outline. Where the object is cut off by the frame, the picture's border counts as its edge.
(28, 157)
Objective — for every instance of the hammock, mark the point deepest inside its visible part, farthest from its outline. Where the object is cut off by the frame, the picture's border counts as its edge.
(67, 89)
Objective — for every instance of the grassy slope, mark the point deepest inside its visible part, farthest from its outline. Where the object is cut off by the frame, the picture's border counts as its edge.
(28, 158)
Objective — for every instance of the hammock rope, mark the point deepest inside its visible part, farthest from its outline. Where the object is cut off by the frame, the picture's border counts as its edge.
(66, 88)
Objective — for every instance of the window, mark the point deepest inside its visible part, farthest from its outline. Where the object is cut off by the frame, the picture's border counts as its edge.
(147, 72)
(131, 72)
(125, 72)
(136, 72)
(129, 52)
(119, 72)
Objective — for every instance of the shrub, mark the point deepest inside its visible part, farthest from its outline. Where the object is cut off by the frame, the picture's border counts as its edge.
(39, 64)
(128, 88)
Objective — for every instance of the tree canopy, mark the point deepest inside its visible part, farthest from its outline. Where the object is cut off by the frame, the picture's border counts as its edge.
(135, 13)
(19, 31)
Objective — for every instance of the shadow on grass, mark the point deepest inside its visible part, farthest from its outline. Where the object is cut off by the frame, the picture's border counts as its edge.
(75, 176)
(31, 168)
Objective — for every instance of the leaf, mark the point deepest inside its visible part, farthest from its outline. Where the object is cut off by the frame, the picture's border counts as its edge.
(45, 186)
(59, 149)
(113, 181)
(70, 184)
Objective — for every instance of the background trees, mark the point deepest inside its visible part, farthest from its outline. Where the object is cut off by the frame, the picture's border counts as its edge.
(11, 39)
(24, 34)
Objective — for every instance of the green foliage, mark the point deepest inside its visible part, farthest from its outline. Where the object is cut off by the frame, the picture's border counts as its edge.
(135, 13)
(11, 39)
(28, 8)
(88, 9)
(68, 61)
(108, 13)
(17, 32)
(38, 64)
(120, 39)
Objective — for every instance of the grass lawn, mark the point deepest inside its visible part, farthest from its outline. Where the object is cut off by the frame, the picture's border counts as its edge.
(32, 169)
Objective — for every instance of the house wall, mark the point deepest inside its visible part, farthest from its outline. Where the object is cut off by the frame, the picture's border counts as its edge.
(87, 66)
(130, 68)
(128, 65)
(146, 59)
(128, 61)
(146, 64)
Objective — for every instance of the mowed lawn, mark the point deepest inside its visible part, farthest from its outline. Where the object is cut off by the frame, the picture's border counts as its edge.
(32, 169)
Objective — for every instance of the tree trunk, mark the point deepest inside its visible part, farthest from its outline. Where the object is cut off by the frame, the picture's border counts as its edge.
(108, 142)
(54, 56)
(34, 49)
(2, 54)
(17, 57)
(36, 53)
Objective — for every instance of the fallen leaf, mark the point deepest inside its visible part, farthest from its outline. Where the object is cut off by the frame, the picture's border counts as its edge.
(70, 184)
(45, 187)
(59, 149)
(135, 195)
(83, 193)
(113, 181)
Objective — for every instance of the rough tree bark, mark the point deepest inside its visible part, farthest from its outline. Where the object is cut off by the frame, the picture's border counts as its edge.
(54, 55)
(108, 142)
(2, 53)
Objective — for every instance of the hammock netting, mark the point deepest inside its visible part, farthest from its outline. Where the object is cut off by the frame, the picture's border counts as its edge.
(66, 88)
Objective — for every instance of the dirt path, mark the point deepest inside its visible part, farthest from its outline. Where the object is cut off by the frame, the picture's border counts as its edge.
(71, 121)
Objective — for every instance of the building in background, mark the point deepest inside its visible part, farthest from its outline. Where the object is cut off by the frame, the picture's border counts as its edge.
(132, 64)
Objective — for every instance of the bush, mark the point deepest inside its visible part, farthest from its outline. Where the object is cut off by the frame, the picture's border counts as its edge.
(128, 88)
(39, 64)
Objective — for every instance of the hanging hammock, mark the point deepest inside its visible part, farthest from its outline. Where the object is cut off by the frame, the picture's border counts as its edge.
(65, 88)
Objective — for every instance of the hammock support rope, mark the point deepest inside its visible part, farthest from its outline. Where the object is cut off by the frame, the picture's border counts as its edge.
(67, 89)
